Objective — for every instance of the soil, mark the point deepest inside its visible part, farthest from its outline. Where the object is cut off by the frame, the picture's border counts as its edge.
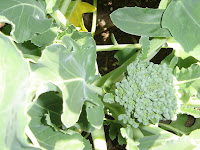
(104, 29)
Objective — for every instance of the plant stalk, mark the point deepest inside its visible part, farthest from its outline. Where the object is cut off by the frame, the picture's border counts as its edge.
(99, 140)
(168, 127)
(94, 19)
(60, 19)
(116, 75)
(117, 47)
(163, 4)
(65, 6)
(154, 129)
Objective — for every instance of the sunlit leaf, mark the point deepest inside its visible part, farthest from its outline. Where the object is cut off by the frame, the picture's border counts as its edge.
(28, 16)
(140, 21)
(183, 20)
(45, 38)
(71, 67)
(183, 143)
(14, 85)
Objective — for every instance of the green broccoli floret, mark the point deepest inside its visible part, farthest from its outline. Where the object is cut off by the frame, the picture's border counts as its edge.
(147, 93)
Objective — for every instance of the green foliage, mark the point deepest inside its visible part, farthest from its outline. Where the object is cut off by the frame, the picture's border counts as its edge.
(146, 21)
(23, 11)
(177, 16)
(78, 75)
(46, 113)
(179, 127)
(14, 83)
(53, 97)
(147, 93)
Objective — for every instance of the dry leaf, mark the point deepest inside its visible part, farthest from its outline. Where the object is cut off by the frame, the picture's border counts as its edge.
(76, 10)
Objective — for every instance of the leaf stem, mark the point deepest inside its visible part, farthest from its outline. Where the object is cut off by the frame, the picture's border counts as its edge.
(99, 140)
(117, 47)
(154, 129)
(60, 19)
(168, 127)
(94, 19)
(117, 73)
(65, 6)
(163, 4)
(193, 103)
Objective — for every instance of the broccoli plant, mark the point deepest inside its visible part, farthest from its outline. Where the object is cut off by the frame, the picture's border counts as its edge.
(53, 97)
(148, 94)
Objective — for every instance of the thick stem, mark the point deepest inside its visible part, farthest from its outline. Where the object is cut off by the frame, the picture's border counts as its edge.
(65, 6)
(117, 47)
(171, 128)
(193, 103)
(60, 19)
(99, 140)
(153, 129)
(163, 4)
(94, 19)
(115, 76)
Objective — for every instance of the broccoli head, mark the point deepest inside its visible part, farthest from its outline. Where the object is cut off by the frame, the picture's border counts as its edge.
(147, 93)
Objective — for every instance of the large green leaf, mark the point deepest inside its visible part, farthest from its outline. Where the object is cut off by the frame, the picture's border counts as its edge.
(14, 83)
(48, 138)
(71, 66)
(140, 21)
(183, 20)
(28, 16)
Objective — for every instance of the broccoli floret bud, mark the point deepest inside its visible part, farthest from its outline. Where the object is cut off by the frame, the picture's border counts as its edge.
(148, 94)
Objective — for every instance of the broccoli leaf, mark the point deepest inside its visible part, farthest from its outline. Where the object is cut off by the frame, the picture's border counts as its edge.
(140, 21)
(45, 38)
(14, 85)
(183, 15)
(45, 123)
(70, 65)
(29, 18)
